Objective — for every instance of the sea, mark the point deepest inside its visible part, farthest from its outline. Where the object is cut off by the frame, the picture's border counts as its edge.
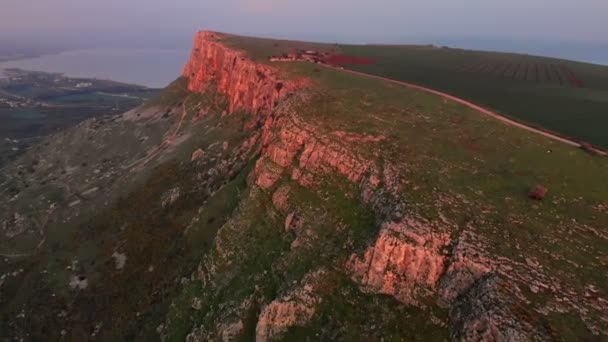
(153, 68)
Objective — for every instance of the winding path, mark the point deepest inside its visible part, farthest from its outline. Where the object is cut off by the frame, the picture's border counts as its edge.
(477, 108)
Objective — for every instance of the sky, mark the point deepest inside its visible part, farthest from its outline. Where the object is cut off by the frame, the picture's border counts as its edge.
(355, 21)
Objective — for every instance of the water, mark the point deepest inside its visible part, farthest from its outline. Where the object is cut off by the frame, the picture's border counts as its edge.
(149, 67)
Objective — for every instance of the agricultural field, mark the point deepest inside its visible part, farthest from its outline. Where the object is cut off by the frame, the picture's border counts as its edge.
(566, 97)
(524, 68)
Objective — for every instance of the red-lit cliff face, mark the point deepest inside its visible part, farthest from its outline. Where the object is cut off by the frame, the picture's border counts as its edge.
(247, 85)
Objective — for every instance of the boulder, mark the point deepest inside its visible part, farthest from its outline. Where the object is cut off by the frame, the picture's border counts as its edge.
(537, 193)
(198, 154)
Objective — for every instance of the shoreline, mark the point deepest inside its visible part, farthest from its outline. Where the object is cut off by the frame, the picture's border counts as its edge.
(152, 68)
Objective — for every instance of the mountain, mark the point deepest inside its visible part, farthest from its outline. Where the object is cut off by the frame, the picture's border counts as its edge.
(259, 200)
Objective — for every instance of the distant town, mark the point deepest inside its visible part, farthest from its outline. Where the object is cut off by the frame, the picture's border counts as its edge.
(33, 104)
(25, 89)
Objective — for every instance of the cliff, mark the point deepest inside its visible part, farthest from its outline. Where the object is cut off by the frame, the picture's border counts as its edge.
(419, 262)
(247, 85)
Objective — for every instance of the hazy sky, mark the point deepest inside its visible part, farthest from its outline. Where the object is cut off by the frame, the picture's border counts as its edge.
(572, 20)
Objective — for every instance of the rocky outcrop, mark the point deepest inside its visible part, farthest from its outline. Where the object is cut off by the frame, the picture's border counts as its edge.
(197, 154)
(467, 264)
(283, 313)
(280, 198)
(491, 310)
(231, 331)
(169, 197)
(247, 85)
(291, 145)
(294, 309)
(14, 226)
(406, 261)
(257, 88)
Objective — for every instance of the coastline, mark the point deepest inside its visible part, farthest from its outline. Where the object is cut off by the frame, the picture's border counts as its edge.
(154, 68)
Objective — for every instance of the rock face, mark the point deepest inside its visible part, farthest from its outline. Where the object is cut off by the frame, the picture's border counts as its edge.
(294, 309)
(197, 154)
(468, 264)
(247, 85)
(405, 262)
(287, 142)
(490, 311)
(282, 314)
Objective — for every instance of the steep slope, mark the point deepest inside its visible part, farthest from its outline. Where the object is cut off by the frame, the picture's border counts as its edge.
(97, 221)
(294, 202)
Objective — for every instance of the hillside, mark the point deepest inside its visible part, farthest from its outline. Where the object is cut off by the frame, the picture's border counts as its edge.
(291, 201)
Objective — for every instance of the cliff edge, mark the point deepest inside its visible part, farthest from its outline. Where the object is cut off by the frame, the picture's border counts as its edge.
(247, 85)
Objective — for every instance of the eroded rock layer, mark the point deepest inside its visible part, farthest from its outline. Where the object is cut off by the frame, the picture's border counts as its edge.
(247, 85)
(406, 261)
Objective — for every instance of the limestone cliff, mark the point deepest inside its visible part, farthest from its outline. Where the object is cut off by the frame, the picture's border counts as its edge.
(247, 85)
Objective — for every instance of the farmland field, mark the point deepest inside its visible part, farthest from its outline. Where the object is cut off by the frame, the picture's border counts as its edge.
(566, 97)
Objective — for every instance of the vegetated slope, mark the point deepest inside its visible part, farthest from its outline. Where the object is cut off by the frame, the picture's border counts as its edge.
(291, 202)
(94, 239)
(563, 96)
